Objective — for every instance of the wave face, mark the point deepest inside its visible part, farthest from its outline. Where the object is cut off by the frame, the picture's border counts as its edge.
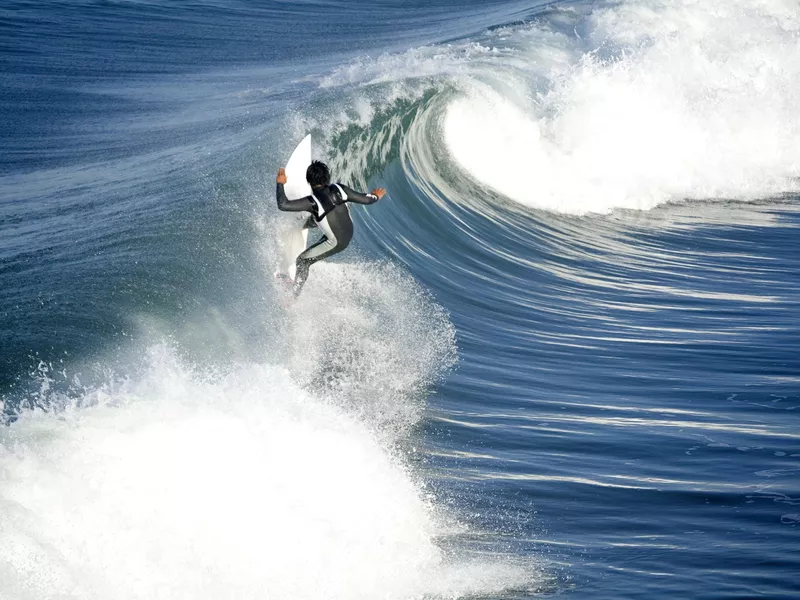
(559, 357)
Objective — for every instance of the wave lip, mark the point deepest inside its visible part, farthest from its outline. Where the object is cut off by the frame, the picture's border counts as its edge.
(663, 102)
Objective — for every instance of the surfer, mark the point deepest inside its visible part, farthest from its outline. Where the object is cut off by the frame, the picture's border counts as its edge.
(330, 213)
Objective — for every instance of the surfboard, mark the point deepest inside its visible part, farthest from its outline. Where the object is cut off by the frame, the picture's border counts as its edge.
(292, 238)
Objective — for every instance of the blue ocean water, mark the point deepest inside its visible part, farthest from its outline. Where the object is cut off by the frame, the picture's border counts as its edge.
(558, 360)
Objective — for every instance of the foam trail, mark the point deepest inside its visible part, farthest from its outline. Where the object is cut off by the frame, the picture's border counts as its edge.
(378, 348)
(190, 485)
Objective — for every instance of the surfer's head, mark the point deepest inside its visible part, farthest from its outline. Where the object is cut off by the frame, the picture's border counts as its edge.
(318, 174)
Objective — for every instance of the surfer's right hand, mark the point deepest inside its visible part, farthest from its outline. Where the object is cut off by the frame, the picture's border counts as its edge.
(281, 178)
(379, 192)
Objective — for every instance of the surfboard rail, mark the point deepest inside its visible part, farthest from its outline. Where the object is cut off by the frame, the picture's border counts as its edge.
(292, 237)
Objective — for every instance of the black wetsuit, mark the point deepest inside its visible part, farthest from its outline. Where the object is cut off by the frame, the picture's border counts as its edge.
(331, 215)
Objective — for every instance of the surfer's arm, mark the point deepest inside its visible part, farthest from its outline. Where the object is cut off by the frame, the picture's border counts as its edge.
(303, 204)
(354, 196)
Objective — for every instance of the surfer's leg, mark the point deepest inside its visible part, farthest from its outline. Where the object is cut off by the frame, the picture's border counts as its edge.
(304, 262)
(324, 248)
(338, 230)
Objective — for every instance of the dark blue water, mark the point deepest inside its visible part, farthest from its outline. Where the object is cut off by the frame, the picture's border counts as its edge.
(559, 358)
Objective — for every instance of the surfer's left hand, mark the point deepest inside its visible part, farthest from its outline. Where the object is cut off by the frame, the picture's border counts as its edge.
(281, 178)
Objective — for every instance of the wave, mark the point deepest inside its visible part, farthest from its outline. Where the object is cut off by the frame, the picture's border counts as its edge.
(590, 109)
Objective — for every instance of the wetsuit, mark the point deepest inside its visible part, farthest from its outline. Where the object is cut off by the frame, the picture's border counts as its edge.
(331, 215)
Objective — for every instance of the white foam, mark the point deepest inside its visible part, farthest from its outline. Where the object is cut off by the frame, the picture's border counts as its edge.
(185, 485)
(668, 100)
(379, 345)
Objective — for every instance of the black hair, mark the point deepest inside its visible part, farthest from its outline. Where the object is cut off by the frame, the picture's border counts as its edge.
(318, 174)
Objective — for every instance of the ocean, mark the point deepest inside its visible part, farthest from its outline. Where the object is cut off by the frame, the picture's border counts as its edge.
(558, 360)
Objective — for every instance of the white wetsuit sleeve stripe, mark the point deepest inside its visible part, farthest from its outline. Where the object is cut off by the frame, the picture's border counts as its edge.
(342, 192)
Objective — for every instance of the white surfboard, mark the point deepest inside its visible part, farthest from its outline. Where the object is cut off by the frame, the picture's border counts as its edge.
(292, 237)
